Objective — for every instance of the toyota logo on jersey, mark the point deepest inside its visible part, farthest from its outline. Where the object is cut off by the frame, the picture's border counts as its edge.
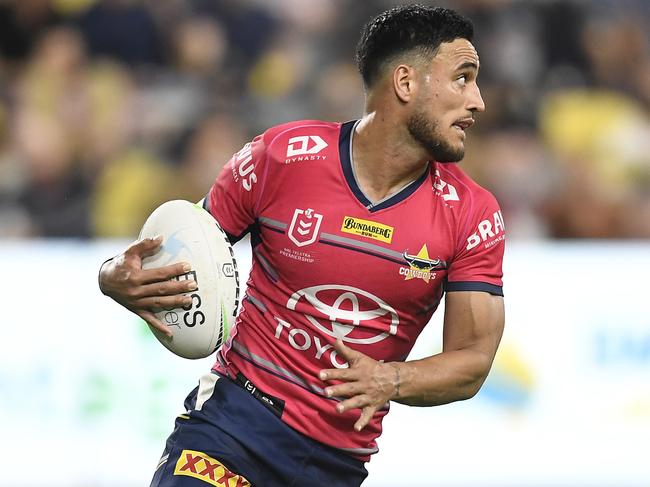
(349, 313)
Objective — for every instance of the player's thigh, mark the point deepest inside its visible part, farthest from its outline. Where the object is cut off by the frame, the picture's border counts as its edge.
(198, 454)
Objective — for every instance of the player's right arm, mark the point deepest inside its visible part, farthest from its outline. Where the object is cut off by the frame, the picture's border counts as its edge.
(231, 201)
(234, 196)
(123, 279)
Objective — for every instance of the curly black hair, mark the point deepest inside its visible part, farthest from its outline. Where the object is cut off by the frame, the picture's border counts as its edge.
(406, 29)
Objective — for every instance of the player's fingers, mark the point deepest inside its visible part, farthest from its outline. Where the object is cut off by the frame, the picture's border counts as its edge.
(144, 246)
(346, 352)
(355, 402)
(162, 302)
(151, 319)
(153, 247)
(366, 415)
(164, 288)
(338, 374)
(347, 389)
(147, 276)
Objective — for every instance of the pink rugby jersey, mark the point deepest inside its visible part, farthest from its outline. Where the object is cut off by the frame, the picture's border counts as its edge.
(329, 263)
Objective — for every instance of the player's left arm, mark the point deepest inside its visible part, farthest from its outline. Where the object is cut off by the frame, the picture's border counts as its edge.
(473, 327)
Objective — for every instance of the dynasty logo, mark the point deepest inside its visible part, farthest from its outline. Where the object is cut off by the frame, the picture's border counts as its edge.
(367, 228)
(421, 266)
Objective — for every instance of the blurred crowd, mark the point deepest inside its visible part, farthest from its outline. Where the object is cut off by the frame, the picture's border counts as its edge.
(110, 107)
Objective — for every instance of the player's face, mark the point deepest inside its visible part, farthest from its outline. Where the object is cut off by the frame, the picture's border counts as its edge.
(447, 101)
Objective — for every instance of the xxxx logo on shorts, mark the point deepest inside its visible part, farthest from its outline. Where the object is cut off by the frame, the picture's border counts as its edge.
(203, 467)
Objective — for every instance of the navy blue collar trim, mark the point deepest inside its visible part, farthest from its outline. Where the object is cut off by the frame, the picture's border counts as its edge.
(345, 138)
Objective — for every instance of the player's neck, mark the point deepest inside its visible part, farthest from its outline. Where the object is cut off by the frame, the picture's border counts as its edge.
(384, 159)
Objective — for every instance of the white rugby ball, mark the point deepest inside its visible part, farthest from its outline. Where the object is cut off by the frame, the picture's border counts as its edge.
(191, 234)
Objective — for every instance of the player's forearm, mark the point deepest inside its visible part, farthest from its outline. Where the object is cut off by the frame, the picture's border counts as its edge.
(441, 379)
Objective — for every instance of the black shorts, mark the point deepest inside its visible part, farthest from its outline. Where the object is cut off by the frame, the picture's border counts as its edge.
(229, 438)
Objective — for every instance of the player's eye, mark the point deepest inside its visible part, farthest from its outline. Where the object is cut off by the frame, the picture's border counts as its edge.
(462, 79)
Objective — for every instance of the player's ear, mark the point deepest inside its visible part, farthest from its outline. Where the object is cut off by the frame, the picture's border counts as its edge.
(404, 82)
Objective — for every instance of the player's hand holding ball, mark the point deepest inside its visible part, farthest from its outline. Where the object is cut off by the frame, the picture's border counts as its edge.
(141, 290)
(180, 275)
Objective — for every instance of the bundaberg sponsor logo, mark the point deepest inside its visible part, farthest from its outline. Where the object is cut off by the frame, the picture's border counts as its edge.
(367, 228)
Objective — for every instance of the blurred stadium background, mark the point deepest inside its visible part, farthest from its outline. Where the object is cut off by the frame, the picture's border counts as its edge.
(110, 107)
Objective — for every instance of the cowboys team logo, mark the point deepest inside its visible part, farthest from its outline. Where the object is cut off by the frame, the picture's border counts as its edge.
(304, 227)
(420, 266)
(346, 312)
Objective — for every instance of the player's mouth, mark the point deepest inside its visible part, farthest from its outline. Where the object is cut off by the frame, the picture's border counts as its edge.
(463, 124)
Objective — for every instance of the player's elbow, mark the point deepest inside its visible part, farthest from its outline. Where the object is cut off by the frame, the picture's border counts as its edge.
(475, 378)
(472, 388)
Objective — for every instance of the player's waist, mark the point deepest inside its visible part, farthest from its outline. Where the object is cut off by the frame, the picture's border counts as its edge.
(302, 403)
(275, 364)
(233, 409)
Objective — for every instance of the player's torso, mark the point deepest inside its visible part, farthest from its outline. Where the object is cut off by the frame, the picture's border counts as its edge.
(327, 266)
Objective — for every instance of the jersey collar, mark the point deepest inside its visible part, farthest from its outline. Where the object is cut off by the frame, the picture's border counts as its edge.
(345, 155)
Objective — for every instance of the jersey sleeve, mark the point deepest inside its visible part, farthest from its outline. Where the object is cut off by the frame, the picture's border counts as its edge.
(477, 265)
(234, 196)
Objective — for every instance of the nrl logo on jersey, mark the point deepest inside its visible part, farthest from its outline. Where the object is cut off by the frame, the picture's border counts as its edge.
(305, 148)
(421, 266)
(304, 227)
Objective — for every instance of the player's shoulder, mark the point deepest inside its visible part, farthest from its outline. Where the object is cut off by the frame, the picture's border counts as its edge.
(457, 188)
(301, 138)
(298, 127)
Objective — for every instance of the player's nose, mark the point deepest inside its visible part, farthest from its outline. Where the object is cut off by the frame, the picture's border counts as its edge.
(475, 101)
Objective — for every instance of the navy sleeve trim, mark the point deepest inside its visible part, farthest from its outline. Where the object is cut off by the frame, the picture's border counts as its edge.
(233, 239)
(474, 286)
(252, 229)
